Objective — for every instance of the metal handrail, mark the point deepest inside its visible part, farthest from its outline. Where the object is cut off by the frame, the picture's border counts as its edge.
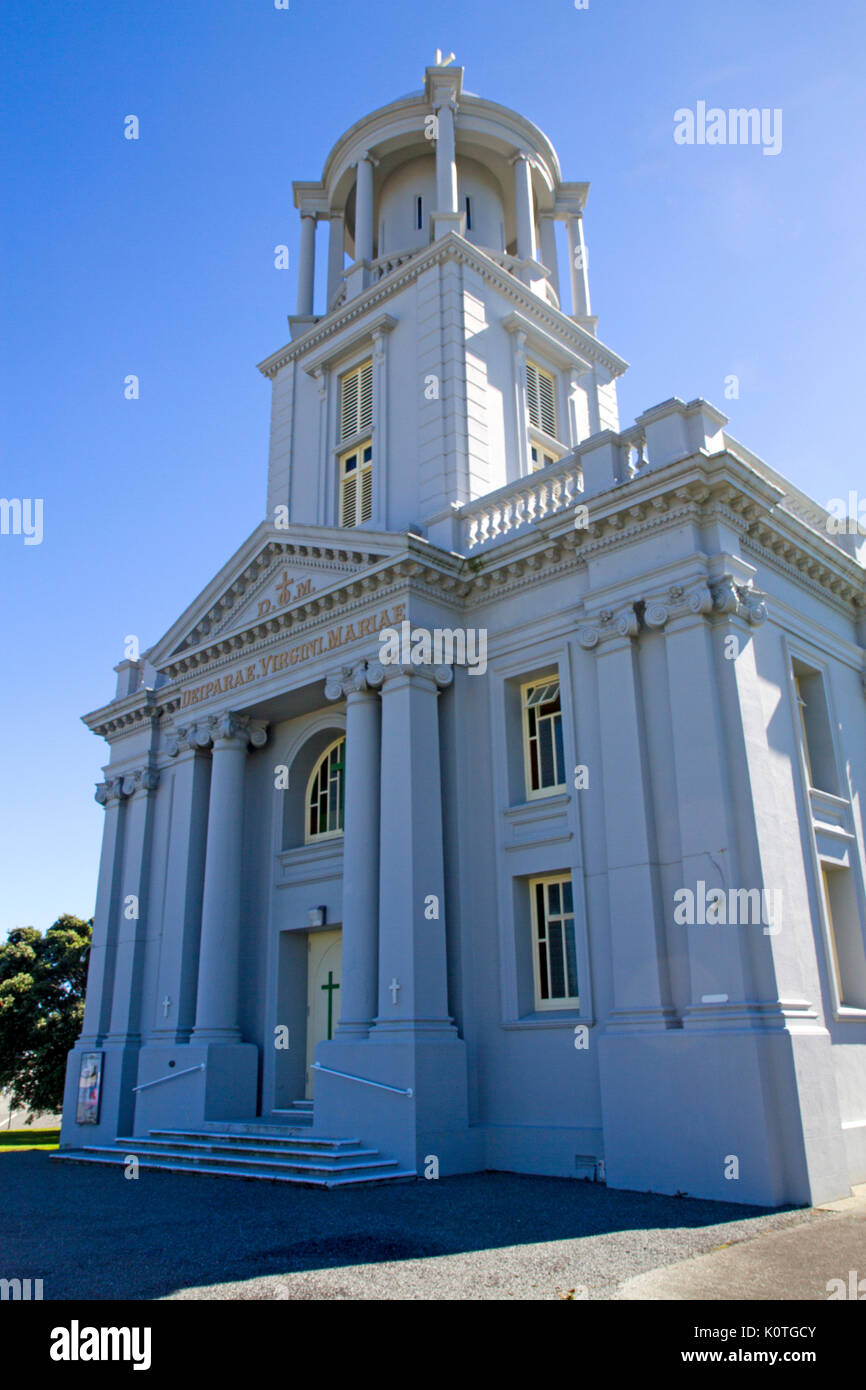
(172, 1076)
(401, 1091)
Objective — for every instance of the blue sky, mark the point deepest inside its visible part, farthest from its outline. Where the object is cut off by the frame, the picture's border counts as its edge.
(155, 257)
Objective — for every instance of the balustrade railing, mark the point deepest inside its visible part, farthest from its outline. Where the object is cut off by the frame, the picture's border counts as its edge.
(538, 495)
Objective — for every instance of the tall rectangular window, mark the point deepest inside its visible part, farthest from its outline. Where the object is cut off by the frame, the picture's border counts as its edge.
(356, 401)
(817, 734)
(419, 212)
(356, 464)
(544, 758)
(356, 486)
(541, 395)
(846, 935)
(554, 953)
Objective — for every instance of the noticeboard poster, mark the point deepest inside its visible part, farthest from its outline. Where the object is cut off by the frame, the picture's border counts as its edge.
(89, 1086)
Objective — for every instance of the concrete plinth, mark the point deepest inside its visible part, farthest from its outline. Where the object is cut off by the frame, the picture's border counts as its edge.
(223, 1088)
(682, 1109)
(434, 1120)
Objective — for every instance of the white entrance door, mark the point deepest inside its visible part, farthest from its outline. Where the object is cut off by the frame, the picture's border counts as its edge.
(323, 993)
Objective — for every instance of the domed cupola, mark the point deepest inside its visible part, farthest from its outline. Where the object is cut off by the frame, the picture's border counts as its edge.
(439, 161)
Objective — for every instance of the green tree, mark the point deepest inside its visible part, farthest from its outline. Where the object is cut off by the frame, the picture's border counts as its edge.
(42, 983)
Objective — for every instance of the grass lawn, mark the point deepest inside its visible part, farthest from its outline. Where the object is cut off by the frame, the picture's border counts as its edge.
(14, 1140)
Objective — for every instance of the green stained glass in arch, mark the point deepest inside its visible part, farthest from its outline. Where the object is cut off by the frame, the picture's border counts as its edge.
(326, 793)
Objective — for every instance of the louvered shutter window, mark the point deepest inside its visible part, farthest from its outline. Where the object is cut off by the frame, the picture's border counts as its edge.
(541, 394)
(356, 401)
(356, 486)
(349, 492)
(366, 494)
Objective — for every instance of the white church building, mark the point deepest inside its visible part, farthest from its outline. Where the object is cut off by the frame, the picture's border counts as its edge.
(499, 804)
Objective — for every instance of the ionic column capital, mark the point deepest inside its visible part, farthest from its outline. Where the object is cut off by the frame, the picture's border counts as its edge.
(109, 790)
(185, 737)
(656, 614)
(738, 600)
(381, 676)
(126, 784)
(141, 779)
(239, 729)
(204, 733)
(620, 624)
(348, 680)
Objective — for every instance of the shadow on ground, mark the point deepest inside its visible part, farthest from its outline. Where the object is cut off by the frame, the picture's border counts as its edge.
(91, 1233)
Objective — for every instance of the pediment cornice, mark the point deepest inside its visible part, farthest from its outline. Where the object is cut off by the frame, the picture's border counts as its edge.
(329, 553)
(450, 248)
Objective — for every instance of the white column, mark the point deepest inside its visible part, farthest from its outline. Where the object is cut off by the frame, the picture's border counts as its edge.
(413, 985)
(548, 249)
(307, 264)
(336, 254)
(139, 786)
(580, 306)
(100, 971)
(446, 162)
(188, 783)
(360, 945)
(521, 403)
(524, 211)
(364, 209)
(216, 1017)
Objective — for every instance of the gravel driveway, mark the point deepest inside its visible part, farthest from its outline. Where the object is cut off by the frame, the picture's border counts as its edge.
(90, 1233)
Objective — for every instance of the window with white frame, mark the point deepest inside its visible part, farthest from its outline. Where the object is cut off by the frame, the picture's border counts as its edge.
(539, 458)
(356, 463)
(841, 883)
(541, 398)
(544, 758)
(326, 794)
(554, 947)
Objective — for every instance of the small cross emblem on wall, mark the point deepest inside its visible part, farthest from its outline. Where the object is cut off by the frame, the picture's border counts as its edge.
(394, 988)
(166, 1005)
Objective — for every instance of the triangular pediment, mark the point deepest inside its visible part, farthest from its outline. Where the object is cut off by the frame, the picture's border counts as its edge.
(274, 571)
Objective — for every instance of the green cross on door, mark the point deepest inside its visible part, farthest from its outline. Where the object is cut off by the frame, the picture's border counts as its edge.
(330, 987)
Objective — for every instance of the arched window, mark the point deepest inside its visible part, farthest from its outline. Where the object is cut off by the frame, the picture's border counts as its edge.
(326, 791)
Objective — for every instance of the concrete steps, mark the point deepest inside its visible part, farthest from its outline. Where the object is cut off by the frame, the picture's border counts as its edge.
(250, 1150)
(300, 1113)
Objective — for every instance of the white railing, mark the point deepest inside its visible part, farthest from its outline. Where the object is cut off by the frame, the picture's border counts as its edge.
(365, 1081)
(634, 452)
(538, 495)
(171, 1076)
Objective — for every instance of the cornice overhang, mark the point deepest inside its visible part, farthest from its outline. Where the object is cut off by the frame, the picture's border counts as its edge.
(552, 346)
(702, 486)
(137, 711)
(452, 247)
(323, 361)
